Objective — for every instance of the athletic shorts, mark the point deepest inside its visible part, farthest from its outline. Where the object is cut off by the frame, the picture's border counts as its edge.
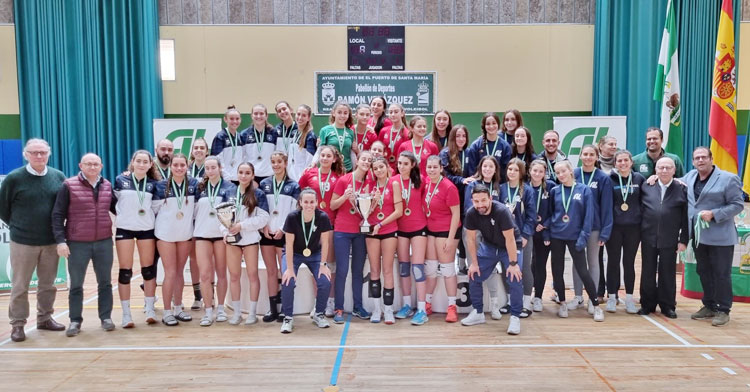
(444, 234)
(122, 234)
(243, 246)
(412, 234)
(214, 239)
(382, 236)
(280, 243)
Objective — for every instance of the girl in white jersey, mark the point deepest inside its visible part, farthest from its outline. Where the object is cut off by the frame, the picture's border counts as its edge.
(260, 142)
(227, 145)
(196, 169)
(174, 231)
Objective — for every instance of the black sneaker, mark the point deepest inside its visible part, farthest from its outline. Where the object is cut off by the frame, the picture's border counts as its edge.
(525, 313)
(505, 309)
(270, 316)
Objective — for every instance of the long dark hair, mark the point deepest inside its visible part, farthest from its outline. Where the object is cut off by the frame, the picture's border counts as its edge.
(152, 172)
(541, 162)
(204, 181)
(168, 190)
(495, 177)
(454, 160)
(338, 164)
(414, 175)
(308, 127)
(517, 115)
(484, 131)
(448, 129)
(597, 164)
(248, 198)
(529, 151)
(521, 165)
(381, 121)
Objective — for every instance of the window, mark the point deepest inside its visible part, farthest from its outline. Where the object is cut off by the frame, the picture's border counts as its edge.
(166, 58)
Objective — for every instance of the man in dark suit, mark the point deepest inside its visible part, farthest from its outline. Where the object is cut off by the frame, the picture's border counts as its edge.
(665, 232)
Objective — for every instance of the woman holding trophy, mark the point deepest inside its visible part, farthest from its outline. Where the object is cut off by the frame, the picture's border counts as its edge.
(387, 208)
(347, 236)
(307, 230)
(210, 250)
(241, 221)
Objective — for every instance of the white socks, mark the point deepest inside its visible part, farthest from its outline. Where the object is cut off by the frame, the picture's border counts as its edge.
(421, 306)
(451, 301)
(125, 307)
(236, 306)
(407, 300)
(150, 301)
(253, 308)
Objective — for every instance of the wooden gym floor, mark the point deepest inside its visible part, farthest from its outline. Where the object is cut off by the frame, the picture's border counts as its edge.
(626, 352)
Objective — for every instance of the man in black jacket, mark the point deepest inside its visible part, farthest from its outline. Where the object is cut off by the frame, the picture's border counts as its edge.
(664, 233)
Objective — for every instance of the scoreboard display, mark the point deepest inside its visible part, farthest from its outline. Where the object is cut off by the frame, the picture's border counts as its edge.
(375, 48)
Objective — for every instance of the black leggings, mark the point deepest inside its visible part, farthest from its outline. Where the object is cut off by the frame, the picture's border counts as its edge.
(539, 264)
(579, 263)
(623, 242)
(602, 274)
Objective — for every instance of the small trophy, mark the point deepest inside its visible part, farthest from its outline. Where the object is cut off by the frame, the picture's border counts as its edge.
(227, 213)
(364, 206)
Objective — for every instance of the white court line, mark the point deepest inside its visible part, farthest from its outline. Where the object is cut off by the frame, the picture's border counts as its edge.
(663, 328)
(710, 358)
(368, 347)
(61, 314)
(730, 371)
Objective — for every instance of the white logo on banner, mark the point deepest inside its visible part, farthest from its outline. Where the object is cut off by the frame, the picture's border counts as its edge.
(328, 93)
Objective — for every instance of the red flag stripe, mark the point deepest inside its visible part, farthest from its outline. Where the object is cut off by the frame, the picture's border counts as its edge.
(723, 129)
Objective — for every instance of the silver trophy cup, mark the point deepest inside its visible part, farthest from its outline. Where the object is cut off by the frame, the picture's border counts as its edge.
(227, 214)
(363, 202)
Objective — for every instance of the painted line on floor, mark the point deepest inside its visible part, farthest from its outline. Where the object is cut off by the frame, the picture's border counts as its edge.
(340, 354)
(665, 329)
(710, 358)
(730, 371)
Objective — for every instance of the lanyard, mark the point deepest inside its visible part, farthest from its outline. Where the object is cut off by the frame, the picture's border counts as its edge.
(512, 199)
(550, 169)
(494, 147)
(259, 139)
(285, 135)
(354, 184)
(394, 139)
(320, 183)
(304, 230)
(405, 192)
(625, 190)
(566, 204)
(179, 193)
(418, 154)
(213, 191)
(430, 195)
(233, 141)
(382, 193)
(140, 192)
(164, 174)
(277, 190)
(583, 176)
(538, 198)
(192, 171)
(341, 138)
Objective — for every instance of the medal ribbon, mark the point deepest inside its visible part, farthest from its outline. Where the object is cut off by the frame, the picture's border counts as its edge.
(393, 140)
(583, 176)
(140, 192)
(304, 231)
(164, 174)
(233, 141)
(418, 154)
(238, 200)
(566, 205)
(259, 138)
(430, 195)
(192, 171)
(625, 190)
(404, 189)
(512, 199)
(382, 193)
(494, 148)
(341, 138)
(285, 136)
(179, 193)
(277, 190)
(320, 183)
(213, 191)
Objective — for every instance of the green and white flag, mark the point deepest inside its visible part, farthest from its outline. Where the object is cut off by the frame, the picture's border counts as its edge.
(667, 86)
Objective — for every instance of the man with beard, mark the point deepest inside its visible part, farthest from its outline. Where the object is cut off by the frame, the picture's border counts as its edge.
(164, 152)
(552, 154)
(645, 162)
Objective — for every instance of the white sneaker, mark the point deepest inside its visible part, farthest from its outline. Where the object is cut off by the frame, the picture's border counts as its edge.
(575, 303)
(375, 317)
(554, 298)
(312, 312)
(127, 321)
(320, 320)
(473, 318)
(388, 318)
(236, 318)
(598, 314)
(563, 311)
(221, 316)
(151, 316)
(494, 309)
(591, 307)
(206, 321)
(612, 305)
(514, 328)
(630, 306)
(538, 307)
(330, 305)
(252, 319)
(287, 325)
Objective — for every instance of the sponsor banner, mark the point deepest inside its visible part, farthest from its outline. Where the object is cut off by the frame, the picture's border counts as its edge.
(414, 90)
(576, 132)
(6, 272)
(183, 132)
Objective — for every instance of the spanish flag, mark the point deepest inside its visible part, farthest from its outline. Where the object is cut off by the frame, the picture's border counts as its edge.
(722, 123)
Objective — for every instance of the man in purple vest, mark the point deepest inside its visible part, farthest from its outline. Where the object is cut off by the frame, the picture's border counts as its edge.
(83, 232)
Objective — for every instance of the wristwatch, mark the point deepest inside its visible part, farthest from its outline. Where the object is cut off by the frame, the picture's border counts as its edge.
(513, 263)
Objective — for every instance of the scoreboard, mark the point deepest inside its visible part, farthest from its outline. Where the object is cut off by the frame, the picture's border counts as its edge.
(375, 48)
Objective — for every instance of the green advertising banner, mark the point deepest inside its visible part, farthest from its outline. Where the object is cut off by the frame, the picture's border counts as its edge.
(414, 90)
(5, 269)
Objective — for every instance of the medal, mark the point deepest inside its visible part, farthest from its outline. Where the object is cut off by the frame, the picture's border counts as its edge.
(538, 218)
(566, 203)
(180, 215)
(566, 218)
(212, 213)
(275, 212)
(259, 158)
(277, 193)
(259, 137)
(322, 205)
(405, 194)
(351, 211)
(141, 212)
(430, 195)
(407, 212)
(306, 252)
(429, 213)
(232, 162)
(391, 158)
(624, 206)
(381, 216)
(179, 193)
(140, 192)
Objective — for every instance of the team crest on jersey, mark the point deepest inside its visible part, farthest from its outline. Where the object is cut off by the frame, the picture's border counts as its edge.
(577, 196)
(517, 199)
(492, 221)
(227, 143)
(643, 168)
(498, 154)
(126, 185)
(593, 185)
(287, 189)
(545, 195)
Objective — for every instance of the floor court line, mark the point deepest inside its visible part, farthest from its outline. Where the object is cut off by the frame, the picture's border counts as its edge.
(665, 329)
(63, 313)
(730, 371)
(377, 347)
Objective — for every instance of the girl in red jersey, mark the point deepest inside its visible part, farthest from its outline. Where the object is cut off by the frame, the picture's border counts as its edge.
(417, 143)
(443, 210)
(322, 180)
(395, 134)
(388, 207)
(379, 119)
(412, 237)
(378, 150)
(363, 132)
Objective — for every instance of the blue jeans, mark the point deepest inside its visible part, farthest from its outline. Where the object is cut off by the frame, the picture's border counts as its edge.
(287, 290)
(488, 256)
(343, 245)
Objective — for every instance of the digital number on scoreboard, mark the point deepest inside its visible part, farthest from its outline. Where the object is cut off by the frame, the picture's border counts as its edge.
(376, 48)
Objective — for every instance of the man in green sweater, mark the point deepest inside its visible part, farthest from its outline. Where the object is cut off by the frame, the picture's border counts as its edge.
(644, 162)
(27, 196)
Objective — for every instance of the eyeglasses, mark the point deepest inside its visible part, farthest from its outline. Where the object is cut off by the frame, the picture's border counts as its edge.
(89, 164)
(701, 158)
(38, 153)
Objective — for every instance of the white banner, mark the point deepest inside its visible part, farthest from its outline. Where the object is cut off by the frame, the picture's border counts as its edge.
(183, 131)
(576, 132)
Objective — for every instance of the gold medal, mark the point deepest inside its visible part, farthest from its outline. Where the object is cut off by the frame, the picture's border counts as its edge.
(322, 205)
(141, 212)
(624, 206)
(180, 215)
(351, 211)
(275, 212)
(391, 158)
(307, 252)
(381, 215)
(212, 213)
(566, 218)
(260, 159)
(428, 213)
(407, 212)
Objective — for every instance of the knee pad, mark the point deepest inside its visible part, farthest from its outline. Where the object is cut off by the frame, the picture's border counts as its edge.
(447, 270)
(375, 289)
(403, 269)
(388, 295)
(332, 266)
(418, 270)
(431, 268)
(125, 276)
(149, 272)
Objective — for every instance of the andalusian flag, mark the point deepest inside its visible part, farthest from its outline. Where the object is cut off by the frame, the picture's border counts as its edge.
(722, 124)
(667, 87)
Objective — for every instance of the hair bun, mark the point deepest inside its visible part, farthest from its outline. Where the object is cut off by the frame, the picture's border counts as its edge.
(231, 107)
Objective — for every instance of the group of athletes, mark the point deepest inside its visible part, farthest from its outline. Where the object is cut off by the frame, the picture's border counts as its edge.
(295, 196)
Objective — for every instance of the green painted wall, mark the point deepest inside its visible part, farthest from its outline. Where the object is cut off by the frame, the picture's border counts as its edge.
(10, 126)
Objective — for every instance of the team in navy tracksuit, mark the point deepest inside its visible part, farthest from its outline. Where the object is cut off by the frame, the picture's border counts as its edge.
(541, 251)
(259, 144)
(499, 149)
(230, 151)
(288, 141)
(523, 208)
(626, 232)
